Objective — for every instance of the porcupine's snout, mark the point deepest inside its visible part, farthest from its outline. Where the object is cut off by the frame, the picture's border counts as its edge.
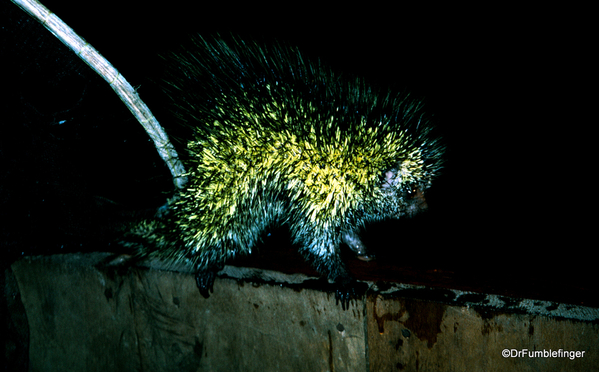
(417, 203)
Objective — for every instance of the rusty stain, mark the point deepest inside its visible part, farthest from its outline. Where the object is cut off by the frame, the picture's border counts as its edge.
(424, 319)
(380, 320)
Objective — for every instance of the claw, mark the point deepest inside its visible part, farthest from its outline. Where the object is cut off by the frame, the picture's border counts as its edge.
(344, 294)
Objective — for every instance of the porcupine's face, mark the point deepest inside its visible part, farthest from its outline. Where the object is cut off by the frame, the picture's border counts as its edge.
(410, 197)
(400, 198)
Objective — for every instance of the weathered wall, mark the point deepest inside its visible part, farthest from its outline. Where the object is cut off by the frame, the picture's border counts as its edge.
(416, 335)
(88, 317)
(83, 319)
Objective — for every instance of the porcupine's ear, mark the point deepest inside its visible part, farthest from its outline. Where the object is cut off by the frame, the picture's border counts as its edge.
(391, 179)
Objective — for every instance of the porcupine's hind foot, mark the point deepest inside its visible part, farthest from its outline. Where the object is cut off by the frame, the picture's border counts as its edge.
(205, 279)
(205, 282)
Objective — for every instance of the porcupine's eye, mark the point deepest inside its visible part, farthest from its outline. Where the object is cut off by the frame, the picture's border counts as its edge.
(410, 192)
(413, 191)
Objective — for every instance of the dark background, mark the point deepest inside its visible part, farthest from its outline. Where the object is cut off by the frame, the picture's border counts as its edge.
(512, 213)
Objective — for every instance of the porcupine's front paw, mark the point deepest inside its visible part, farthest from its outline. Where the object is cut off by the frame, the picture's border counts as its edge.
(348, 289)
(344, 294)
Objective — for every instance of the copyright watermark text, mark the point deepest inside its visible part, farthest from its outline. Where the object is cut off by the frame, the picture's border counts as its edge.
(560, 353)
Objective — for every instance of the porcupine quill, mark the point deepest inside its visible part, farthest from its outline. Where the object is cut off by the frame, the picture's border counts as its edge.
(276, 139)
(281, 140)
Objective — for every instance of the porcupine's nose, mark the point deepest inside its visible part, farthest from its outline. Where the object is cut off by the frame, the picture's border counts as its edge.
(420, 200)
(417, 203)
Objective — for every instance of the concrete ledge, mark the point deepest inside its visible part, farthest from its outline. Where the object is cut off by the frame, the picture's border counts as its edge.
(86, 316)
